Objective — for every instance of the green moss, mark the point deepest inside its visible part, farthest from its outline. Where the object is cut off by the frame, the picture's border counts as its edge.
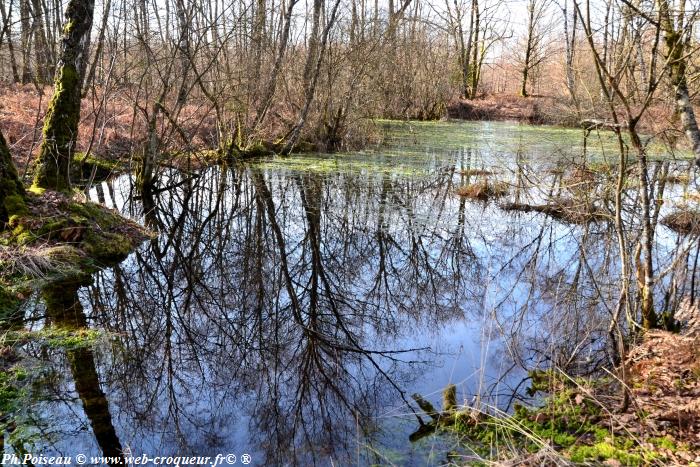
(105, 218)
(257, 150)
(91, 166)
(14, 221)
(664, 442)
(567, 420)
(53, 226)
(107, 246)
(21, 236)
(12, 196)
(37, 190)
(56, 337)
(15, 205)
(12, 393)
(65, 253)
(605, 450)
(60, 130)
(68, 27)
(449, 398)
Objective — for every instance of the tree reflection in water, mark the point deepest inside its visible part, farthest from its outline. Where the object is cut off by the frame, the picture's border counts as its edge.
(280, 312)
(277, 302)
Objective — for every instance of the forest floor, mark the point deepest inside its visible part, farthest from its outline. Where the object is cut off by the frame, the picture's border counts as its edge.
(109, 128)
(536, 109)
(112, 130)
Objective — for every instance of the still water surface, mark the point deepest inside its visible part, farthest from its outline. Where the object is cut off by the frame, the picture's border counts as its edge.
(289, 308)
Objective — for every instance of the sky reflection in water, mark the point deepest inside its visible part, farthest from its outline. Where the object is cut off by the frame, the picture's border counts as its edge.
(289, 308)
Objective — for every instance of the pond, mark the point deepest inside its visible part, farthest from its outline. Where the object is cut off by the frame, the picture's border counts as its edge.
(290, 307)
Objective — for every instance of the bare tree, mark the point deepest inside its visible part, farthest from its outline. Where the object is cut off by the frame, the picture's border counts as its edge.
(534, 52)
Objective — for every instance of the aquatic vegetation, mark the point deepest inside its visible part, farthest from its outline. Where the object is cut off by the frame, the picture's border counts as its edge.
(502, 137)
(347, 162)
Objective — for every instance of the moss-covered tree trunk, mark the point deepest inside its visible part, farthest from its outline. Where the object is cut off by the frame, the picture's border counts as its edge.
(11, 188)
(61, 121)
(678, 44)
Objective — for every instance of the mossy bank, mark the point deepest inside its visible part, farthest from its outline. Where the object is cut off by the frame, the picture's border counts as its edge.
(583, 421)
(58, 236)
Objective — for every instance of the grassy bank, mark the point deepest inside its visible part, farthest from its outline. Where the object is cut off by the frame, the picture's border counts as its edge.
(586, 421)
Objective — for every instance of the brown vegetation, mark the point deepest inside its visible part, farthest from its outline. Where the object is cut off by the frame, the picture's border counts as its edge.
(685, 221)
(112, 132)
(483, 190)
(536, 109)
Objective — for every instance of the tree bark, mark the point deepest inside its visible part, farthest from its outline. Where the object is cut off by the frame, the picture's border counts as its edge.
(12, 197)
(312, 70)
(42, 55)
(570, 38)
(266, 101)
(528, 47)
(98, 50)
(25, 39)
(675, 54)
(62, 117)
(475, 68)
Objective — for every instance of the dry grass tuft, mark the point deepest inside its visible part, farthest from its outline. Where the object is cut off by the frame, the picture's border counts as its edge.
(685, 221)
(677, 179)
(483, 190)
(38, 261)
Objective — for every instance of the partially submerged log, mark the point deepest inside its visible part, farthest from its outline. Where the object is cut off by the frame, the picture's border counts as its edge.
(565, 210)
(590, 124)
(447, 417)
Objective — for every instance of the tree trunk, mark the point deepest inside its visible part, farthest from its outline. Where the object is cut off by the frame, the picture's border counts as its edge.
(6, 21)
(25, 38)
(269, 94)
(312, 70)
(570, 38)
(676, 55)
(42, 55)
(528, 47)
(12, 201)
(475, 71)
(100, 46)
(61, 121)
